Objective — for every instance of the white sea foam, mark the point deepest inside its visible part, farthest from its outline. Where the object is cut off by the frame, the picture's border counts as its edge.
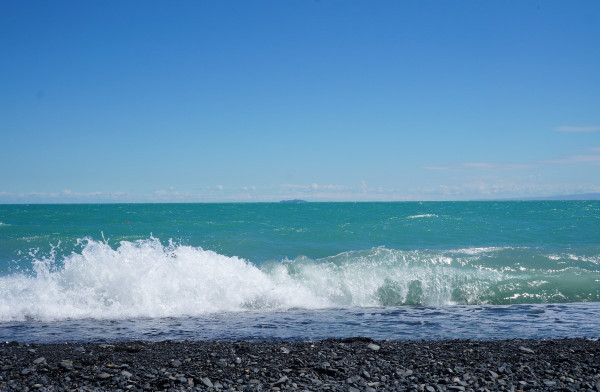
(148, 279)
(143, 279)
(480, 250)
(422, 216)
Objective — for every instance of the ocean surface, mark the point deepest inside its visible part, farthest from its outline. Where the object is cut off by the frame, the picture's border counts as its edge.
(409, 270)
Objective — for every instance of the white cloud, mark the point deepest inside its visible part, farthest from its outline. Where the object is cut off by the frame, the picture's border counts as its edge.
(479, 166)
(66, 196)
(436, 167)
(577, 129)
(313, 187)
(364, 188)
(591, 155)
(499, 190)
(589, 158)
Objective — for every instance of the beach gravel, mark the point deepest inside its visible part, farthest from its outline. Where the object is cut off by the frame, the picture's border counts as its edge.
(350, 365)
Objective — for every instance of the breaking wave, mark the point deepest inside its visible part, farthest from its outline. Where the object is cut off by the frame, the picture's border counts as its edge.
(148, 279)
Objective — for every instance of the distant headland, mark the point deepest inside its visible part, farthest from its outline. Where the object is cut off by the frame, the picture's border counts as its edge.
(294, 201)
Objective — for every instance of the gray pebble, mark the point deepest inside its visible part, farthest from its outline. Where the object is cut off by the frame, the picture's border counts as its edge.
(338, 365)
(66, 364)
(526, 350)
(39, 361)
(206, 381)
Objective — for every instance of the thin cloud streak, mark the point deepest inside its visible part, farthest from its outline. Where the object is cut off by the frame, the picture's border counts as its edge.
(577, 159)
(480, 166)
(576, 129)
(592, 155)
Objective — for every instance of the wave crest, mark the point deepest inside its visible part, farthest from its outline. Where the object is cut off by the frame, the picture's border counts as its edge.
(148, 279)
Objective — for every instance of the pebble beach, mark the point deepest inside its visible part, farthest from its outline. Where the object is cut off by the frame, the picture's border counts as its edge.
(354, 364)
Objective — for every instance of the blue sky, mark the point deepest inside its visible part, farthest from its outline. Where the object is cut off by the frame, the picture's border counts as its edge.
(204, 101)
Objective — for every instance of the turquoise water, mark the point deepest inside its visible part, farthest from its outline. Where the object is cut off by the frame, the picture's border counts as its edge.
(149, 264)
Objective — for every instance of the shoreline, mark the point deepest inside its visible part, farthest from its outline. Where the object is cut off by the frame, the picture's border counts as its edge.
(352, 364)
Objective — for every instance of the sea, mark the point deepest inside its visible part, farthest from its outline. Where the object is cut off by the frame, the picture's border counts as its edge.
(479, 270)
